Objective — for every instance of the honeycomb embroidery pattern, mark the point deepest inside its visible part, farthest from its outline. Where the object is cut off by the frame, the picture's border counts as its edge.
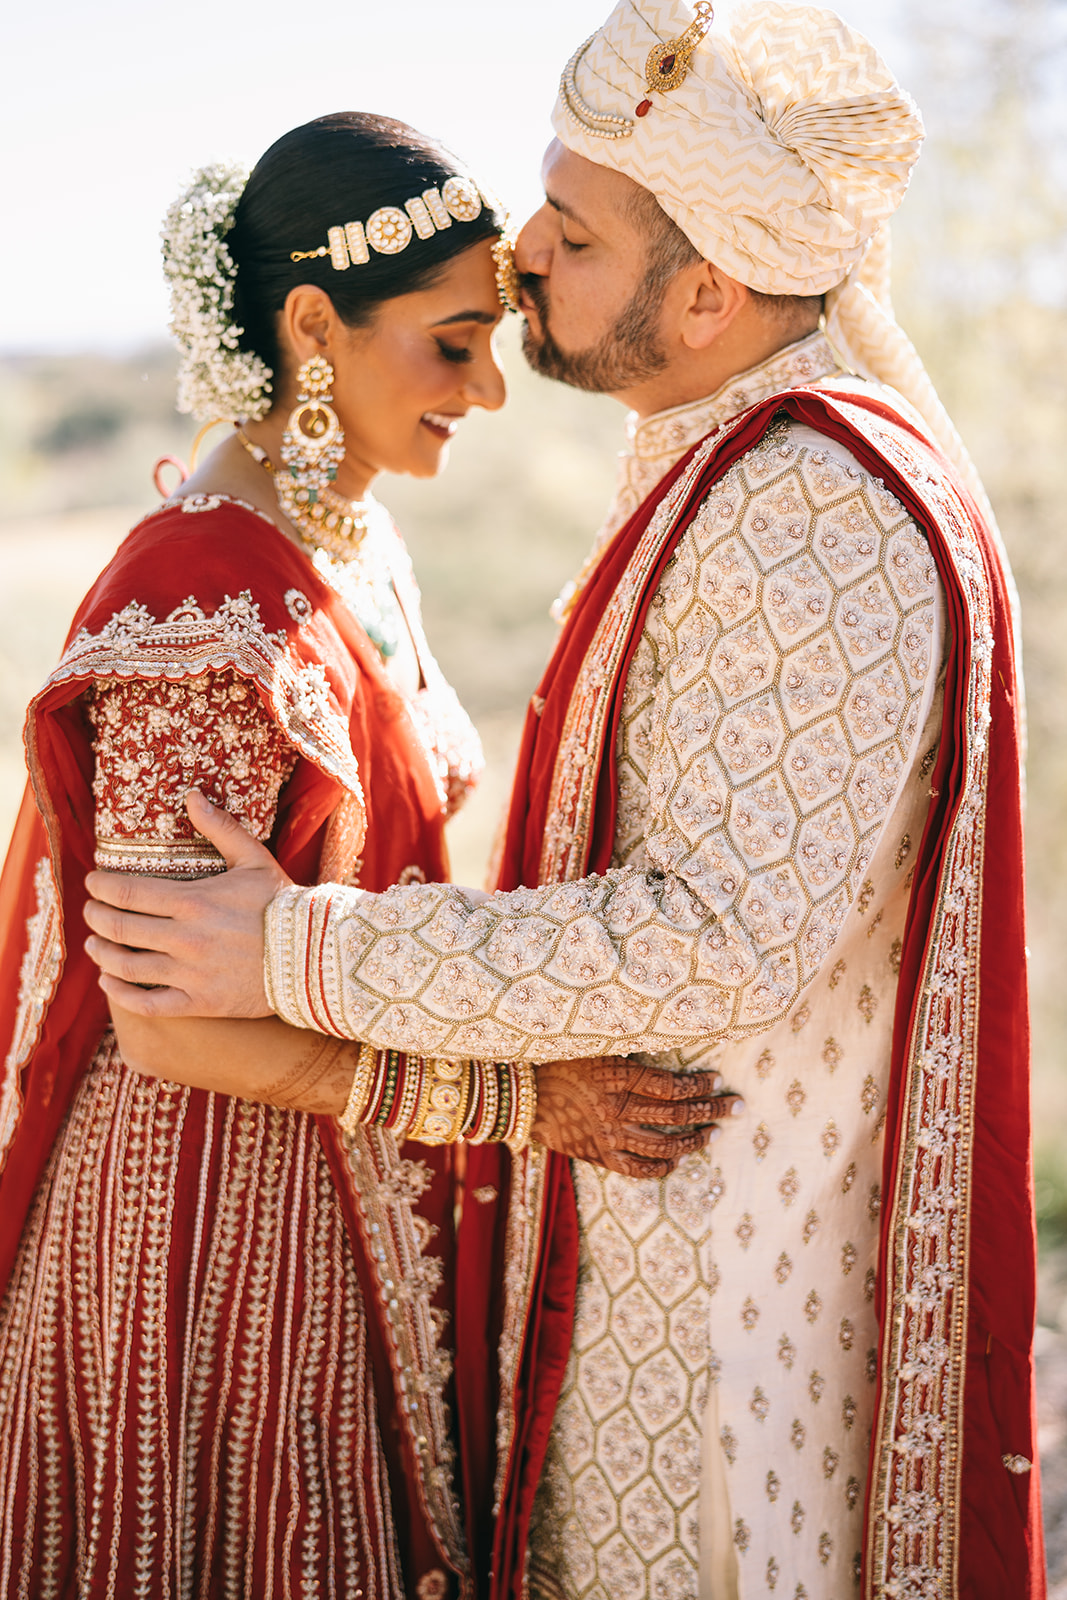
(767, 726)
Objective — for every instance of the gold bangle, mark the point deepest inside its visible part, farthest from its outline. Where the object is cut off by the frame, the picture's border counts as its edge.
(443, 1102)
(409, 1097)
(487, 1115)
(525, 1091)
(360, 1092)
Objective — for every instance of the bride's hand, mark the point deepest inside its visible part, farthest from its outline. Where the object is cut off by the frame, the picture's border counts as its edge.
(638, 1121)
(201, 943)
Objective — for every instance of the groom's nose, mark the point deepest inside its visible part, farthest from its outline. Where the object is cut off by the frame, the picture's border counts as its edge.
(534, 245)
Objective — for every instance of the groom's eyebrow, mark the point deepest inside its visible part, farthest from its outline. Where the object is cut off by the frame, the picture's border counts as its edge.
(566, 210)
(485, 318)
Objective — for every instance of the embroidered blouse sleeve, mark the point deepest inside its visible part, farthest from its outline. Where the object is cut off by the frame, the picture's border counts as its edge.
(153, 741)
(787, 668)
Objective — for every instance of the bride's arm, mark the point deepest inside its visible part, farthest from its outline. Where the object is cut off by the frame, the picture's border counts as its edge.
(264, 1059)
(636, 1120)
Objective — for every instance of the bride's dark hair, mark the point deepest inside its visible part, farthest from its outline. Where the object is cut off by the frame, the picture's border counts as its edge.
(338, 169)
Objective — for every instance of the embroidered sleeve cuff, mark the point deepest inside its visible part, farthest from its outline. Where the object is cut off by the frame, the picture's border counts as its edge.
(301, 959)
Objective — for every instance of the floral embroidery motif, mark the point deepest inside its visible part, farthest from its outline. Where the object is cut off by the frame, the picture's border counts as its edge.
(298, 605)
(189, 642)
(154, 740)
(773, 1486)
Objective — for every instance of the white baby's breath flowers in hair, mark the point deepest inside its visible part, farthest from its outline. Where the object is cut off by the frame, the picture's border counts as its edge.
(216, 379)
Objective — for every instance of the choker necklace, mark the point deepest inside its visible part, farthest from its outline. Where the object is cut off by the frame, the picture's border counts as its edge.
(338, 531)
(326, 523)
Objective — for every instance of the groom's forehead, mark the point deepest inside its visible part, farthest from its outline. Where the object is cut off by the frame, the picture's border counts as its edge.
(588, 193)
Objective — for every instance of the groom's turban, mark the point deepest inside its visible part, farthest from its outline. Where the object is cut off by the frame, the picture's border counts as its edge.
(781, 155)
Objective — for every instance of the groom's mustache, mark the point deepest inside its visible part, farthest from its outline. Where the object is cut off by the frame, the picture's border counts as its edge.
(535, 289)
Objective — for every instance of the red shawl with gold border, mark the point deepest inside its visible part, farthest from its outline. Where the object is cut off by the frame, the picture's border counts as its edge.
(217, 587)
(953, 1504)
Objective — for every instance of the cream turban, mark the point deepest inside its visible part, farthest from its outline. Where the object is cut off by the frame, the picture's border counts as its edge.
(781, 156)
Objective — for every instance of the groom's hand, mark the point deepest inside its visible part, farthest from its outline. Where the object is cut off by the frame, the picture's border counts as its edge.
(638, 1121)
(201, 943)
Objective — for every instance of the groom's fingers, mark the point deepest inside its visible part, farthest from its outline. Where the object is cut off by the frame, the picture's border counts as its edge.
(147, 1002)
(130, 891)
(235, 844)
(131, 965)
(129, 928)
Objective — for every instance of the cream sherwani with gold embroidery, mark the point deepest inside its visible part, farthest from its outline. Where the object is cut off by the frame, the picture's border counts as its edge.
(778, 723)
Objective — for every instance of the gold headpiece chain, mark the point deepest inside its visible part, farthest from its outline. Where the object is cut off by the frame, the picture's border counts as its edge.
(390, 229)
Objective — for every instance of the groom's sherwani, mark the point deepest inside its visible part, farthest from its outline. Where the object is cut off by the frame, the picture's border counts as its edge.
(779, 691)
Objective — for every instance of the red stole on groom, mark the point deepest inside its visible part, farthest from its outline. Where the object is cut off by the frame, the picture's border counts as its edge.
(953, 1495)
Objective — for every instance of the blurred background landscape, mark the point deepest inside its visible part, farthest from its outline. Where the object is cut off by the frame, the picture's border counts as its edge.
(980, 284)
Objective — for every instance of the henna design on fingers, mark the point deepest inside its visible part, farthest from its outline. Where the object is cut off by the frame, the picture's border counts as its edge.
(619, 1115)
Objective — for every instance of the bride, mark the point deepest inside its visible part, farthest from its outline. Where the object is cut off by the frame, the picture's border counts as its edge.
(247, 1340)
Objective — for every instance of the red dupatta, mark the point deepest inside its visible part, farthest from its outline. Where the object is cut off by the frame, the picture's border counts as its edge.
(211, 585)
(953, 1501)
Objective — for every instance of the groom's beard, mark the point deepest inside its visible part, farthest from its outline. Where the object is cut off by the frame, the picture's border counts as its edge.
(628, 354)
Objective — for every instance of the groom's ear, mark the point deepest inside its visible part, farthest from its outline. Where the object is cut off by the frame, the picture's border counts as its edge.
(711, 299)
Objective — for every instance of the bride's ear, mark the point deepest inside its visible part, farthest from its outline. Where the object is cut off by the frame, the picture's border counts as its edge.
(307, 323)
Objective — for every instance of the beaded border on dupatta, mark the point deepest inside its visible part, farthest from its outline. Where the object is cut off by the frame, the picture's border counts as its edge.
(38, 976)
(914, 1510)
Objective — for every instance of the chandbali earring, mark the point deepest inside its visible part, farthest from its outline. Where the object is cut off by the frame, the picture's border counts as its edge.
(313, 447)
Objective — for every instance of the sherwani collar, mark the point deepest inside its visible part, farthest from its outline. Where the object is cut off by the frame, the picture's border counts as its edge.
(655, 443)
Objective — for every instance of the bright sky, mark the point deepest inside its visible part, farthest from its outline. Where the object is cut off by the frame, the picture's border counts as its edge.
(107, 107)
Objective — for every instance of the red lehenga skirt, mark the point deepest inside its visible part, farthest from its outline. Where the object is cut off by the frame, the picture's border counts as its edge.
(227, 1339)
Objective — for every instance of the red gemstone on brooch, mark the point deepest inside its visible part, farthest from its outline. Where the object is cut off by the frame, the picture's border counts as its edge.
(643, 109)
(666, 66)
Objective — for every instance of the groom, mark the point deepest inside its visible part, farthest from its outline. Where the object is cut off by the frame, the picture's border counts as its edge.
(748, 832)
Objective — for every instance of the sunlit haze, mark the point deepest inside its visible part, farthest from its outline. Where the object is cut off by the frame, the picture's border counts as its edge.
(107, 108)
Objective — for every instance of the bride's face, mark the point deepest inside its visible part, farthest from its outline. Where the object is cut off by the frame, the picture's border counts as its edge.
(404, 384)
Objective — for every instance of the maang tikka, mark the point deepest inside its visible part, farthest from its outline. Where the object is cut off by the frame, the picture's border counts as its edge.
(313, 447)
